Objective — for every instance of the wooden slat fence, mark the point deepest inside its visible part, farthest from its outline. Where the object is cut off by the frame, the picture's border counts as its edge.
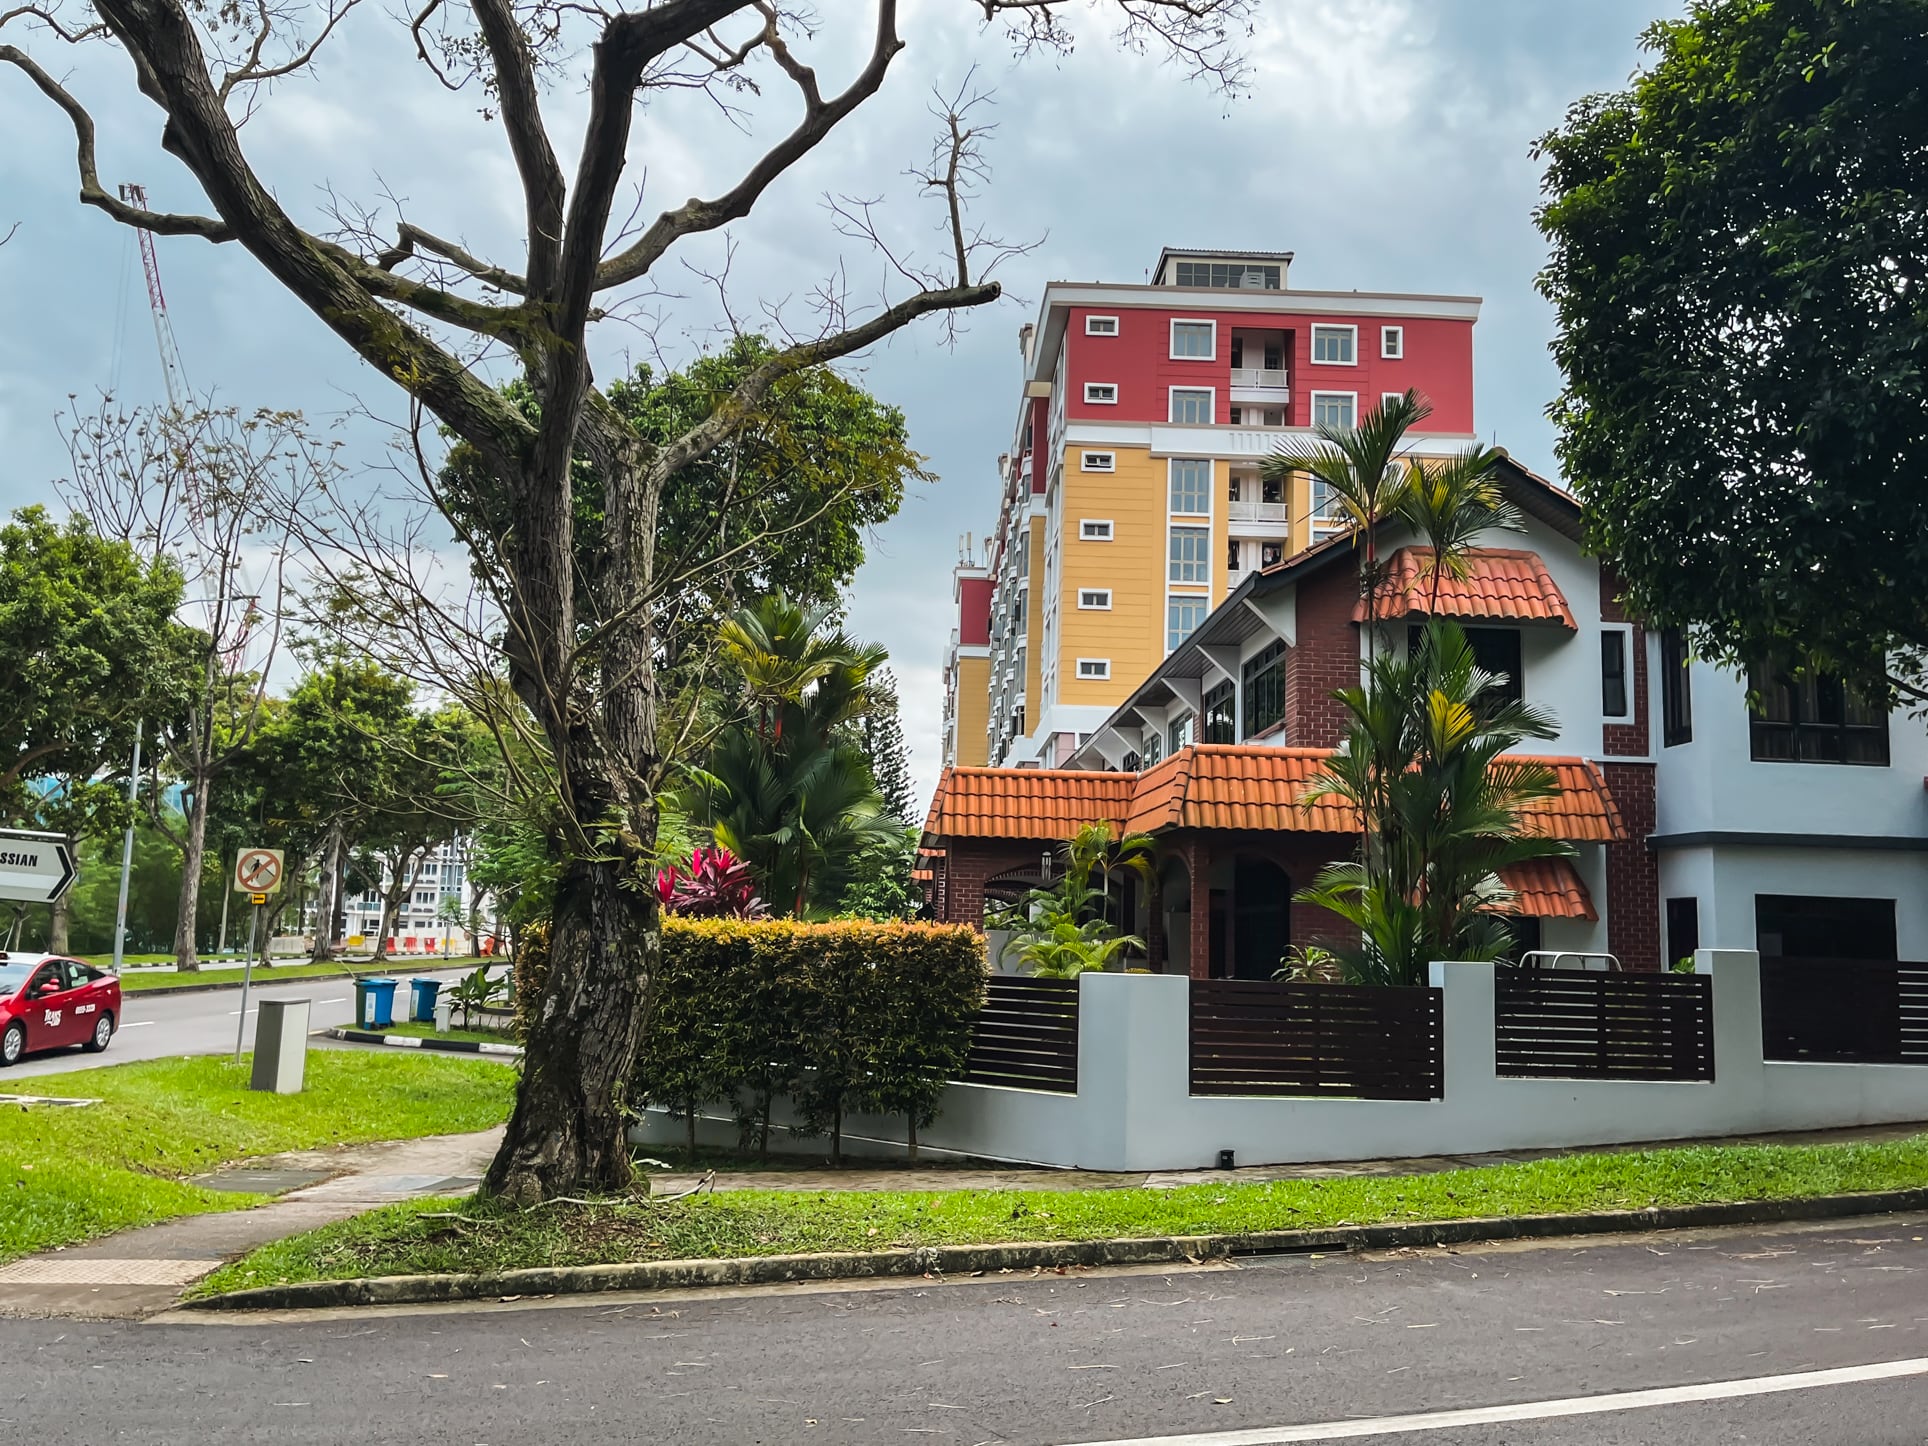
(1315, 1039)
(1026, 1035)
(1575, 1024)
(1855, 1011)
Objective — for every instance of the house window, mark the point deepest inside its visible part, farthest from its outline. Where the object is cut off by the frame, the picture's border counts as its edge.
(1794, 926)
(1392, 342)
(1815, 718)
(1098, 461)
(1189, 560)
(1264, 676)
(1495, 651)
(1334, 409)
(1191, 486)
(1613, 673)
(1221, 722)
(1179, 734)
(1676, 692)
(1094, 599)
(1098, 668)
(1101, 326)
(1192, 406)
(1335, 345)
(1101, 393)
(1683, 929)
(1182, 617)
(1094, 529)
(1194, 340)
(1151, 746)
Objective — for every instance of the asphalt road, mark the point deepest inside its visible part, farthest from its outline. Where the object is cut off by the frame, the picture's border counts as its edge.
(1292, 1349)
(159, 1025)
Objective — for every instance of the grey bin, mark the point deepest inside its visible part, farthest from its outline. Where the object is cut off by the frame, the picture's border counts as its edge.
(280, 1046)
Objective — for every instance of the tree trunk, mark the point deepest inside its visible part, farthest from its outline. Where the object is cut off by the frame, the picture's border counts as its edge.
(57, 916)
(392, 898)
(328, 905)
(193, 856)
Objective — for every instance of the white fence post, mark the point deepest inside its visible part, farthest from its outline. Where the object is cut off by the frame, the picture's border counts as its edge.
(1466, 1029)
(1134, 1066)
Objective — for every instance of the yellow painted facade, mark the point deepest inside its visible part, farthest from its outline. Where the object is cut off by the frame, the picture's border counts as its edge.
(1034, 619)
(973, 711)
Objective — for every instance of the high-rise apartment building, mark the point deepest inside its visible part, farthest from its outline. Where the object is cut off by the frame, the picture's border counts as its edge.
(1132, 502)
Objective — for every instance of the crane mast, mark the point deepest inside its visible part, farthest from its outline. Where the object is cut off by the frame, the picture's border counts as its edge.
(173, 375)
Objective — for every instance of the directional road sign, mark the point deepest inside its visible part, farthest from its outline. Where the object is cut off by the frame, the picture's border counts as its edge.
(258, 871)
(35, 867)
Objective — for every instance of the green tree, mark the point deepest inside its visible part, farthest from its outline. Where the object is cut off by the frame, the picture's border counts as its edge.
(880, 887)
(1064, 929)
(879, 731)
(1739, 250)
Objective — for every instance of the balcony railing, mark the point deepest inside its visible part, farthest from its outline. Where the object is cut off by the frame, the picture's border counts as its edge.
(1248, 509)
(1258, 376)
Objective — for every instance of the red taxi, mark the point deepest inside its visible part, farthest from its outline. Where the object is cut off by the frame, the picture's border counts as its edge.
(50, 1002)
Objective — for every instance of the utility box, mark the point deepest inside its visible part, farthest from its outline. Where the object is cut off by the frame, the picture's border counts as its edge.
(280, 1046)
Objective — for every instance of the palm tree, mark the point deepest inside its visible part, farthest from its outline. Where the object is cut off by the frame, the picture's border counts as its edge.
(1449, 504)
(1441, 809)
(785, 653)
(1062, 930)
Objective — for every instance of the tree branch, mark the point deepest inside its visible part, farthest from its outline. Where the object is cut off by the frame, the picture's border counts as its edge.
(543, 189)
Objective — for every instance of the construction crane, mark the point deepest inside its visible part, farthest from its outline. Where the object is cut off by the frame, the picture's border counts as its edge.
(173, 374)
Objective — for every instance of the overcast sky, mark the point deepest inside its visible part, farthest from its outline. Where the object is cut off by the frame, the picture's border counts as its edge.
(1384, 141)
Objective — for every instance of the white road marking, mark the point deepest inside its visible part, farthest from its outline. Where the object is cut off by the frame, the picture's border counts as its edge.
(137, 1024)
(1538, 1410)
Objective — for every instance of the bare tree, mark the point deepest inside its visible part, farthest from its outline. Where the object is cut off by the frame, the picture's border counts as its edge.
(217, 490)
(416, 308)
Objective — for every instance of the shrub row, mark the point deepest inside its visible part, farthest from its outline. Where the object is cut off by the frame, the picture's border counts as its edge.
(839, 1018)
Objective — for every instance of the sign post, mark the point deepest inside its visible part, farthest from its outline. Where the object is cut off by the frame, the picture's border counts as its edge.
(257, 873)
(35, 867)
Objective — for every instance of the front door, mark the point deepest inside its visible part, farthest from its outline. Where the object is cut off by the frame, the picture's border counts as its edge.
(50, 1018)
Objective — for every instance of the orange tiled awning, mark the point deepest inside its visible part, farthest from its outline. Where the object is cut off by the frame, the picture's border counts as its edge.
(1501, 585)
(1548, 889)
(1215, 786)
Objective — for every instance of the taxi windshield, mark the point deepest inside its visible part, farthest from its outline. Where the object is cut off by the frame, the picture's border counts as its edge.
(12, 976)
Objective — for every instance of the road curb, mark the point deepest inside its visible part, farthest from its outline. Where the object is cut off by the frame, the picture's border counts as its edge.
(1040, 1255)
(416, 1041)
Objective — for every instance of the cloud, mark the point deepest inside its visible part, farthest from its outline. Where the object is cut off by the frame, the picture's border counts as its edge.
(1385, 141)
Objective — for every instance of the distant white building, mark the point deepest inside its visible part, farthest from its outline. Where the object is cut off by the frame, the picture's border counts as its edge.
(419, 925)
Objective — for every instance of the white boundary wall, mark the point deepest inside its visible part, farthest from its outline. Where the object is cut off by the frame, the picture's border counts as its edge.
(1134, 1109)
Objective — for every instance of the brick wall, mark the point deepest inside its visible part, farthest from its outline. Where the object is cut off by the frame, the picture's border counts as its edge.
(962, 872)
(1629, 739)
(1326, 658)
(1633, 871)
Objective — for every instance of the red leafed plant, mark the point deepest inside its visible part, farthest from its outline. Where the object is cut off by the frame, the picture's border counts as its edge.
(716, 885)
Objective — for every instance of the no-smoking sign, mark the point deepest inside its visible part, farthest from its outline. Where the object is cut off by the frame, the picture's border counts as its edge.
(258, 871)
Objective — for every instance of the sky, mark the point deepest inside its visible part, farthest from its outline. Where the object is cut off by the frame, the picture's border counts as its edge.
(1386, 142)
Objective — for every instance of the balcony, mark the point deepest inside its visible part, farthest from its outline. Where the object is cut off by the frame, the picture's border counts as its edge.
(1259, 377)
(1250, 509)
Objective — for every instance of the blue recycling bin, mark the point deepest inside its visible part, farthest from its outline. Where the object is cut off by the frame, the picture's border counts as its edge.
(423, 1010)
(374, 1003)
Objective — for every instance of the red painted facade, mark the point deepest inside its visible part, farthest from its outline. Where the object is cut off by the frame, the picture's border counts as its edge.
(974, 611)
(1437, 362)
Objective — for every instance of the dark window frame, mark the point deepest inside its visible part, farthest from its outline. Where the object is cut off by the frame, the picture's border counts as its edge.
(1812, 719)
(1676, 690)
(1264, 689)
(1218, 717)
(1683, 929)
(1484, 642)
(1616, 696)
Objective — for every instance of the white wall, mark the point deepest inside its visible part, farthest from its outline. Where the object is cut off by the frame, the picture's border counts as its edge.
(1725, 880)
(1134, 1109)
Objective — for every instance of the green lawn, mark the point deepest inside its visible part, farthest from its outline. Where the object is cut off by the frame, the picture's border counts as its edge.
(428, 1031)
(67, 1175)
(419, 1237)
(402, 969)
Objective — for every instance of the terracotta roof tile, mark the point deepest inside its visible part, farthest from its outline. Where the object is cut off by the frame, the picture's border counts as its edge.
(1501, 585)
(1548, 889)
(1213, 786)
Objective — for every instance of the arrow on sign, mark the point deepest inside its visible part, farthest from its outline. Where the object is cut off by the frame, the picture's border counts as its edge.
(36, 868)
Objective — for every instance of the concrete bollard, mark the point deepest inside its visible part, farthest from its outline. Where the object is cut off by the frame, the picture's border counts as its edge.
(280, 1046)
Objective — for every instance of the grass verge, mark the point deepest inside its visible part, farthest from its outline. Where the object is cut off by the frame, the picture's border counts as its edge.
(476, 1234)
(162, 981)
(67, 1175)
(428, 1031)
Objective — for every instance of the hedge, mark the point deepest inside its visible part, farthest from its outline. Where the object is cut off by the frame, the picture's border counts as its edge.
(839, 1017)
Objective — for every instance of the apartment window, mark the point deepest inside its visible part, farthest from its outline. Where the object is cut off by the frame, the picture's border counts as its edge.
(1220, 723)
(1101, 326)
(1094, 529)
(1191, 406)
(1235, 415)
(1095, 668)
(1191, 486)
(1676, 692)
(1814, 718)
(1683, 929)
(1233, 488)
(1388, 400)
(1271, 554)
(1194, 340)
(1094, 599)
(1098, 461)
(1179, 734)
(1335, 345)
(1264, 676)
(1334, 409)
(1101, 393)
(1613, 673)
(1182, 617)
(1392, 342)
(1271, 489)
(1224, 275)
(1189, 559)
(1231, 555)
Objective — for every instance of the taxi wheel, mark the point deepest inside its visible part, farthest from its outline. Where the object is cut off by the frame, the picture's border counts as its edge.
(103, 1031)
(13, 1043)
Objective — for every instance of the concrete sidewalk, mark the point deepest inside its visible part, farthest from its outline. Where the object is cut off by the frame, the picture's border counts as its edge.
(143, 1270)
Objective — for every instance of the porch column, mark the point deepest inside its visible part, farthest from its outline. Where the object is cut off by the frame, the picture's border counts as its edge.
(1198, 863)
